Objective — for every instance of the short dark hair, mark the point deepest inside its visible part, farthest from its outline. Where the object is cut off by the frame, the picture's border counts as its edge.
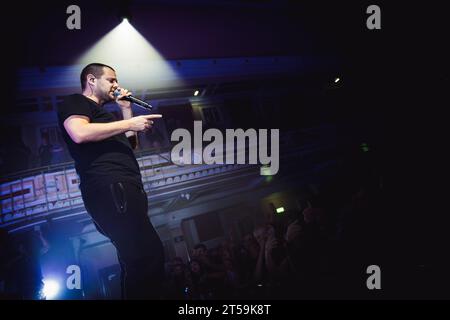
(93, 68)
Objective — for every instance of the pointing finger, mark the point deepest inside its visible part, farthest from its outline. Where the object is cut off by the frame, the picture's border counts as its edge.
(152, 116)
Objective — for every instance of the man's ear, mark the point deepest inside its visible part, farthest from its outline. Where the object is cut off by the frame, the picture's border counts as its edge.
(91, 78)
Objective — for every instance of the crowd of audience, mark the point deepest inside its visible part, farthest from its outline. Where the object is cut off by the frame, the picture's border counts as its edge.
(316, 252)
(320, 250)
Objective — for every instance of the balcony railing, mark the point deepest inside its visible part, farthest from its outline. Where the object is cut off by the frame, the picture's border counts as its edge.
(45, 191)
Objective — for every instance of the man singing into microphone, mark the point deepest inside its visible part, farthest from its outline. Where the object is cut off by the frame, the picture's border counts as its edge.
(110, 179)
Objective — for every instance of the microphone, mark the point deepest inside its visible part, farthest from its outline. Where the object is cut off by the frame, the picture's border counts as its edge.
(135, 100)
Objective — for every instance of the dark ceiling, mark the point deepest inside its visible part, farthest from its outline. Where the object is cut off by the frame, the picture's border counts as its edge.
(188, 29)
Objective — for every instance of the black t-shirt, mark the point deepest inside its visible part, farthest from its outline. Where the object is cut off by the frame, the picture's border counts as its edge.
(101, 162)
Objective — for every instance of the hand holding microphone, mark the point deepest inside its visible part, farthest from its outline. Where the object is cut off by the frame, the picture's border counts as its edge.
(119, 95)
(139, 123)
(123, 94)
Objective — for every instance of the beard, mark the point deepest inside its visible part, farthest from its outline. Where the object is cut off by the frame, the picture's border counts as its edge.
(108, 96)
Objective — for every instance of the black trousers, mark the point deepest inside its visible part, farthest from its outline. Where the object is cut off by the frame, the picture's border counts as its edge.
(119, 211)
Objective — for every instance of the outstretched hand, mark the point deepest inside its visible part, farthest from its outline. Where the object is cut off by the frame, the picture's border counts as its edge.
(143, 123)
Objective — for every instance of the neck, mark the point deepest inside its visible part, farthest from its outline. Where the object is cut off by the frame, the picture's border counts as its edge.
(93, 98)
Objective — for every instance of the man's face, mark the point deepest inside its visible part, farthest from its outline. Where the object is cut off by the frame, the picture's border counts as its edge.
(106, 85)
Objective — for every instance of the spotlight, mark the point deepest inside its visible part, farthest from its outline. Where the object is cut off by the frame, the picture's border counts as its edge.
(136, 61)
(123, 9)
(124, 18)
(51, 288)
(196, 93)
(280, 210)
(337, 80)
